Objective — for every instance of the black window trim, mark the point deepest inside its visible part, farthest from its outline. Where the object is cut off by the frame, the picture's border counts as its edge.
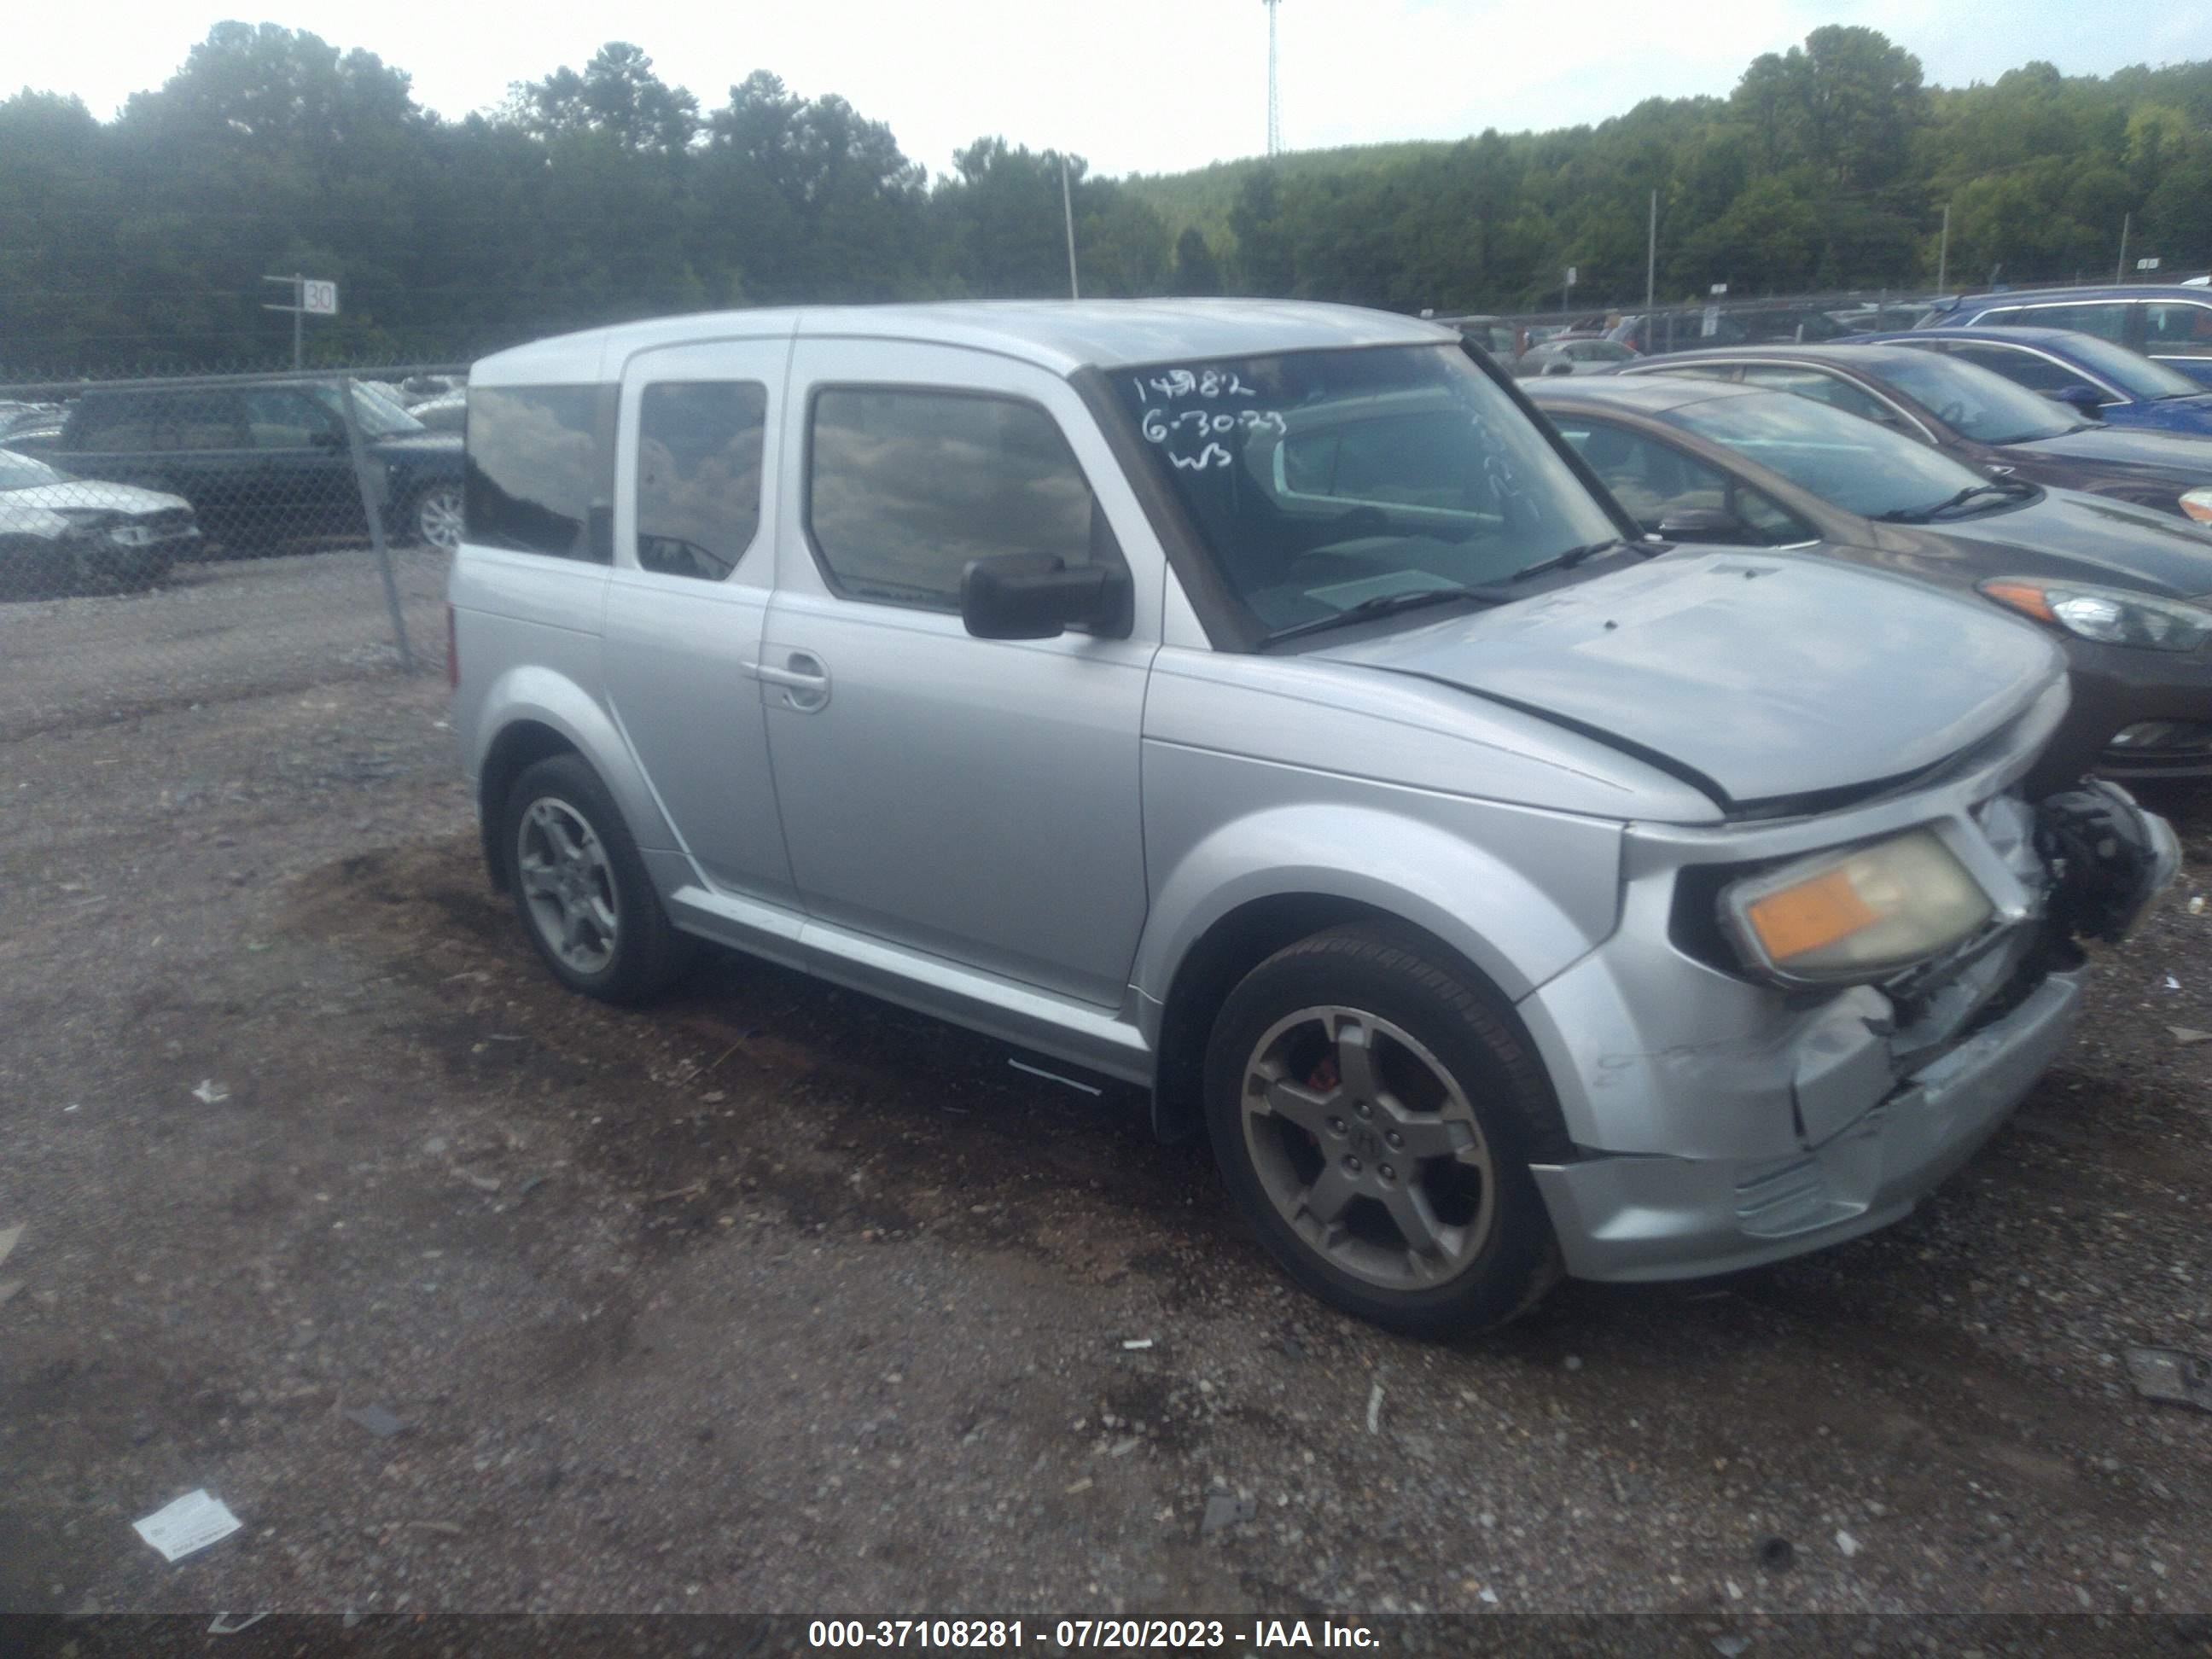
(830, 580)
(760, 518)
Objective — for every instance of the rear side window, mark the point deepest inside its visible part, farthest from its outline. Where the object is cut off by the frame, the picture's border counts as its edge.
(166, 420)
(698, 476)
(279, 417)
(540, 475)
(2106, 319)
(906, 487)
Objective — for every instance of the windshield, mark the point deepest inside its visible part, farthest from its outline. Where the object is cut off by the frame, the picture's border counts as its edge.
(378, 415)
(1983, 404)
(21, 472)
(2134, 373)
(1323, 480)
(1843, 459)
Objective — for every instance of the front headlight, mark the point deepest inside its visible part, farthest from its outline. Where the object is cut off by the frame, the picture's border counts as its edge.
(1855, 916)
(2110, 616)
(2198, 504)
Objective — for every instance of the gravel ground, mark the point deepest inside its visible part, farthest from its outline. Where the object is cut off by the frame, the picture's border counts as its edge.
(778, 1299)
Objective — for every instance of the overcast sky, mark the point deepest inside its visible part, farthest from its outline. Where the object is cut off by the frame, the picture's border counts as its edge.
(1136, 85)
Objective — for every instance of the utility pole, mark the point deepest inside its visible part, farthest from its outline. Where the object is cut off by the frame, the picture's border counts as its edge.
(1275, 100)
(1943, 252)
(1651, 257)
(1067, 212)
(2120, 271)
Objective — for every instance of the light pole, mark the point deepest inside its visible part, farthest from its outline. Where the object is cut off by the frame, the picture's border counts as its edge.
(1067, 212)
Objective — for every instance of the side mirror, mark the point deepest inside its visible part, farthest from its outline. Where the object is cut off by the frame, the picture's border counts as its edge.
(2083, 398)
(1035, 596)
(1702, 524)
(329, 437)
(1559, 366)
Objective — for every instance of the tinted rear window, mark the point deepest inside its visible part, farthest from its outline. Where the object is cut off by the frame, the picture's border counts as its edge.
(541, 470)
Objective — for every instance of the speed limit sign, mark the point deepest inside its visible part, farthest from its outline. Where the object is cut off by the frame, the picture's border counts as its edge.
(318, 299)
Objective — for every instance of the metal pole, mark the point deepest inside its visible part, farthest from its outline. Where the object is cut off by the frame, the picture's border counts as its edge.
(298, 313)
(371, 482)
(1651, 257)
(1944, 253)
(2120, 271)
(1067, 211)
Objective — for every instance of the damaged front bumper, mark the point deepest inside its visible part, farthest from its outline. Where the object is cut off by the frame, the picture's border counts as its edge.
(1724, 1123)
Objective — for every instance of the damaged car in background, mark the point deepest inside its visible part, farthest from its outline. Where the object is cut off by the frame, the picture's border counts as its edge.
(61, 534)
(1258, 703)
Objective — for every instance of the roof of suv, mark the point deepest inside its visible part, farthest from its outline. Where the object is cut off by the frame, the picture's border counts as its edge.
(2007, 298)
(1869, 357)
(1062, 336)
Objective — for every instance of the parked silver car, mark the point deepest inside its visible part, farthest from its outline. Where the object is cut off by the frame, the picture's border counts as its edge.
(1256, 702)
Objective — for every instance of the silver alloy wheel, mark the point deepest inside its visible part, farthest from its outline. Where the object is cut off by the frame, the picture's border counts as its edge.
(438, 517)
(1368, 1148)
(569, 884)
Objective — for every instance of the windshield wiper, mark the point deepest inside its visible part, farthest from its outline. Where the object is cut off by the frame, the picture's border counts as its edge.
(1925, 514)
(1567, 561)
(1386, 604)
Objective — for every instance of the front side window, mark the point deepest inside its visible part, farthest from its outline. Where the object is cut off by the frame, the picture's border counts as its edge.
(281, 417)
(162, 420)
(1822, 388)
(1655, 480)
(1859, 466)
(2133, 373)
(698, 476)
(1321, 480)
(2178, 328)
(2029, 368)
(540, 474)
(1987, 407)
(907, 486)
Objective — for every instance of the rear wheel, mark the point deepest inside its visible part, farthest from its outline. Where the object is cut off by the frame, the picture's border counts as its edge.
(1374, 1111)
(581, 888)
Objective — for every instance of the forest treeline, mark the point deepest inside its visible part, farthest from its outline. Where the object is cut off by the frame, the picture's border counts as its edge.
(604, 193)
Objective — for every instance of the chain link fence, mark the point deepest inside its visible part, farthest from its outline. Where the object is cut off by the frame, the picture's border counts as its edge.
(197, 539)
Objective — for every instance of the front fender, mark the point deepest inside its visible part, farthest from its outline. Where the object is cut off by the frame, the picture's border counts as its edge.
(1519, 893)
(534, 692)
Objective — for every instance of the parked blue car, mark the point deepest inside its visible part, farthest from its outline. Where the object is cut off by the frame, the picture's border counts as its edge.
(2105, 381)
(2172, 324)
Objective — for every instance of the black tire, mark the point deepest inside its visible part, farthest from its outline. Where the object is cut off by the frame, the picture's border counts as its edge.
(1401, 979)
(648, 954)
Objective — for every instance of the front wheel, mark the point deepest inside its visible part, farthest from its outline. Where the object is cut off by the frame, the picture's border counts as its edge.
(581, 888)
(1374, 1112)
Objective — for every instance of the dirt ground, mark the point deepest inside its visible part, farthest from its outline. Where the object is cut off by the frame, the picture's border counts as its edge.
(778, 1299)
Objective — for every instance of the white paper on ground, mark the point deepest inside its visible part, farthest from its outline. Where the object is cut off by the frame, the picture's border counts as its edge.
(192, 1522)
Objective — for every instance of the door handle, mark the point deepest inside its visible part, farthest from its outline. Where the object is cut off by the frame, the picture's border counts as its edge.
(804, 681)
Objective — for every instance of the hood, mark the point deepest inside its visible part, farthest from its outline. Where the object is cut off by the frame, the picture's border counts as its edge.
(2092, 538)
(2184, 458)
(42, 502)
(1761, 678)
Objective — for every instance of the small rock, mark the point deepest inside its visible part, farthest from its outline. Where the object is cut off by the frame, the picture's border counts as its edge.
(2186, 1034)
(1224, 1511)
(1847, 1544)
(1574, 1362)
(377, 1421)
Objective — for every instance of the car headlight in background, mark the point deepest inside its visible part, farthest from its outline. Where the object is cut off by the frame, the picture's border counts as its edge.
(2110, 616)
(2198, 504)
(1855, 916)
